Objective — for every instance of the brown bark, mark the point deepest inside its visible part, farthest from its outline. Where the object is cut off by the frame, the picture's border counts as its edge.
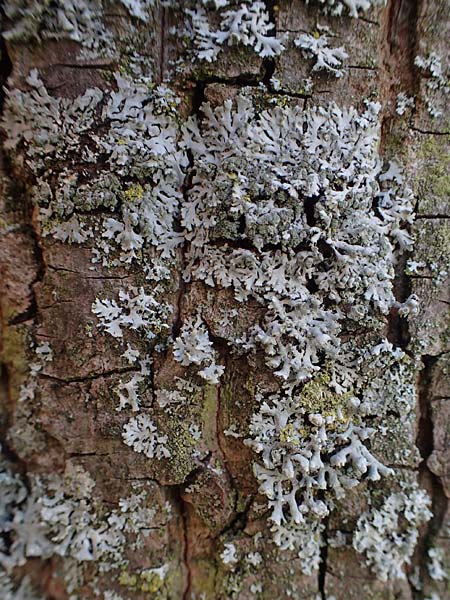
(48, 288)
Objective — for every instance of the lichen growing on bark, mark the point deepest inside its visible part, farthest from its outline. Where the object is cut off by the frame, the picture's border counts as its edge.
(241, 273)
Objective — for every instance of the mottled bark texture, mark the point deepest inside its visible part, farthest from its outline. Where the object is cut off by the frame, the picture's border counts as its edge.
(206, 533)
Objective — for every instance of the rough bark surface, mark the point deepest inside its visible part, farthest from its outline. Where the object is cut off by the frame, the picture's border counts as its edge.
(203, 501)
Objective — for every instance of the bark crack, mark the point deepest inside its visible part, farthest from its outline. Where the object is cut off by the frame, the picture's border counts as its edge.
(90, 376)
(322, 572)
(162, 48)
(430, 132)
(400, 74)
(186, 551)
(198, 98)
(428, 480)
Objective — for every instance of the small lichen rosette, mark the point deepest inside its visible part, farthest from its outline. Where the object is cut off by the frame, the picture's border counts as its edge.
(388, 534)
(353, 7)
(247, 23)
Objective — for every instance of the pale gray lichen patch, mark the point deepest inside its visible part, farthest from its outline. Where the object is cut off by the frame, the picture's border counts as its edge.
(193, 346)
(61, 515)
(140, 142)
(317, 45)
(353, 7)
(80, 21)
(388, 534)
(247, 24)
(437, 80)
(299, 197)
(143, 436)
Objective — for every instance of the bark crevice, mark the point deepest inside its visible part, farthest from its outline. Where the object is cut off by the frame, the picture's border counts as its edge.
(183, 509)
(427, 479)
(322, 571)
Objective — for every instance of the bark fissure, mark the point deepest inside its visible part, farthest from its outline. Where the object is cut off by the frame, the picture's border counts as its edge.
(239, 521)
(89, 377)
(400, 49)
(220, 447)
(398, 52)
(86, 275)
(430, 132)
(184, 517)
(198, 98)
(425, 216)
(424, 441)
(5, 66)
(6, 413)
(322, 571)
(162, 43)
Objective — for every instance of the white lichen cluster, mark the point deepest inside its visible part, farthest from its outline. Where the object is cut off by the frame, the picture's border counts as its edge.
(228, 555)
(61, 516)
(44, 354)
(215, 24)
(177, 397)
(248, 24)
(315, 445)
(128, 391)
(319, 222)
(305, 539)
(77, 20)
(326, 58)
(193, 347)
(388, 534)
(143, 436)
(48, 128)
(403, 102)
(437, 80)
(435, 565)
(353, 7)
(303, 454)
(140, 142)
(432, 65)
(136, 311)
(308, 224)
(319, 225)
(146, 171)
(81, 21)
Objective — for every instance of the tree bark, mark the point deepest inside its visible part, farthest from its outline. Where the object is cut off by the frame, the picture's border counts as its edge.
(185, 515)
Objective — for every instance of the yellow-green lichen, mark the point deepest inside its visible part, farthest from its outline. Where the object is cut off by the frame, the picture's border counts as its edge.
(317, 397)
(209, 410)
(147, 581)
(127, 580)
(288, 435)
(135, 192)
(434, 177)
(150, 581)
(14, 354)
(181, 445)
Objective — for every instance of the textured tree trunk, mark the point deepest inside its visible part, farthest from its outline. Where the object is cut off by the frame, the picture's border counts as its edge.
(135, 369)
